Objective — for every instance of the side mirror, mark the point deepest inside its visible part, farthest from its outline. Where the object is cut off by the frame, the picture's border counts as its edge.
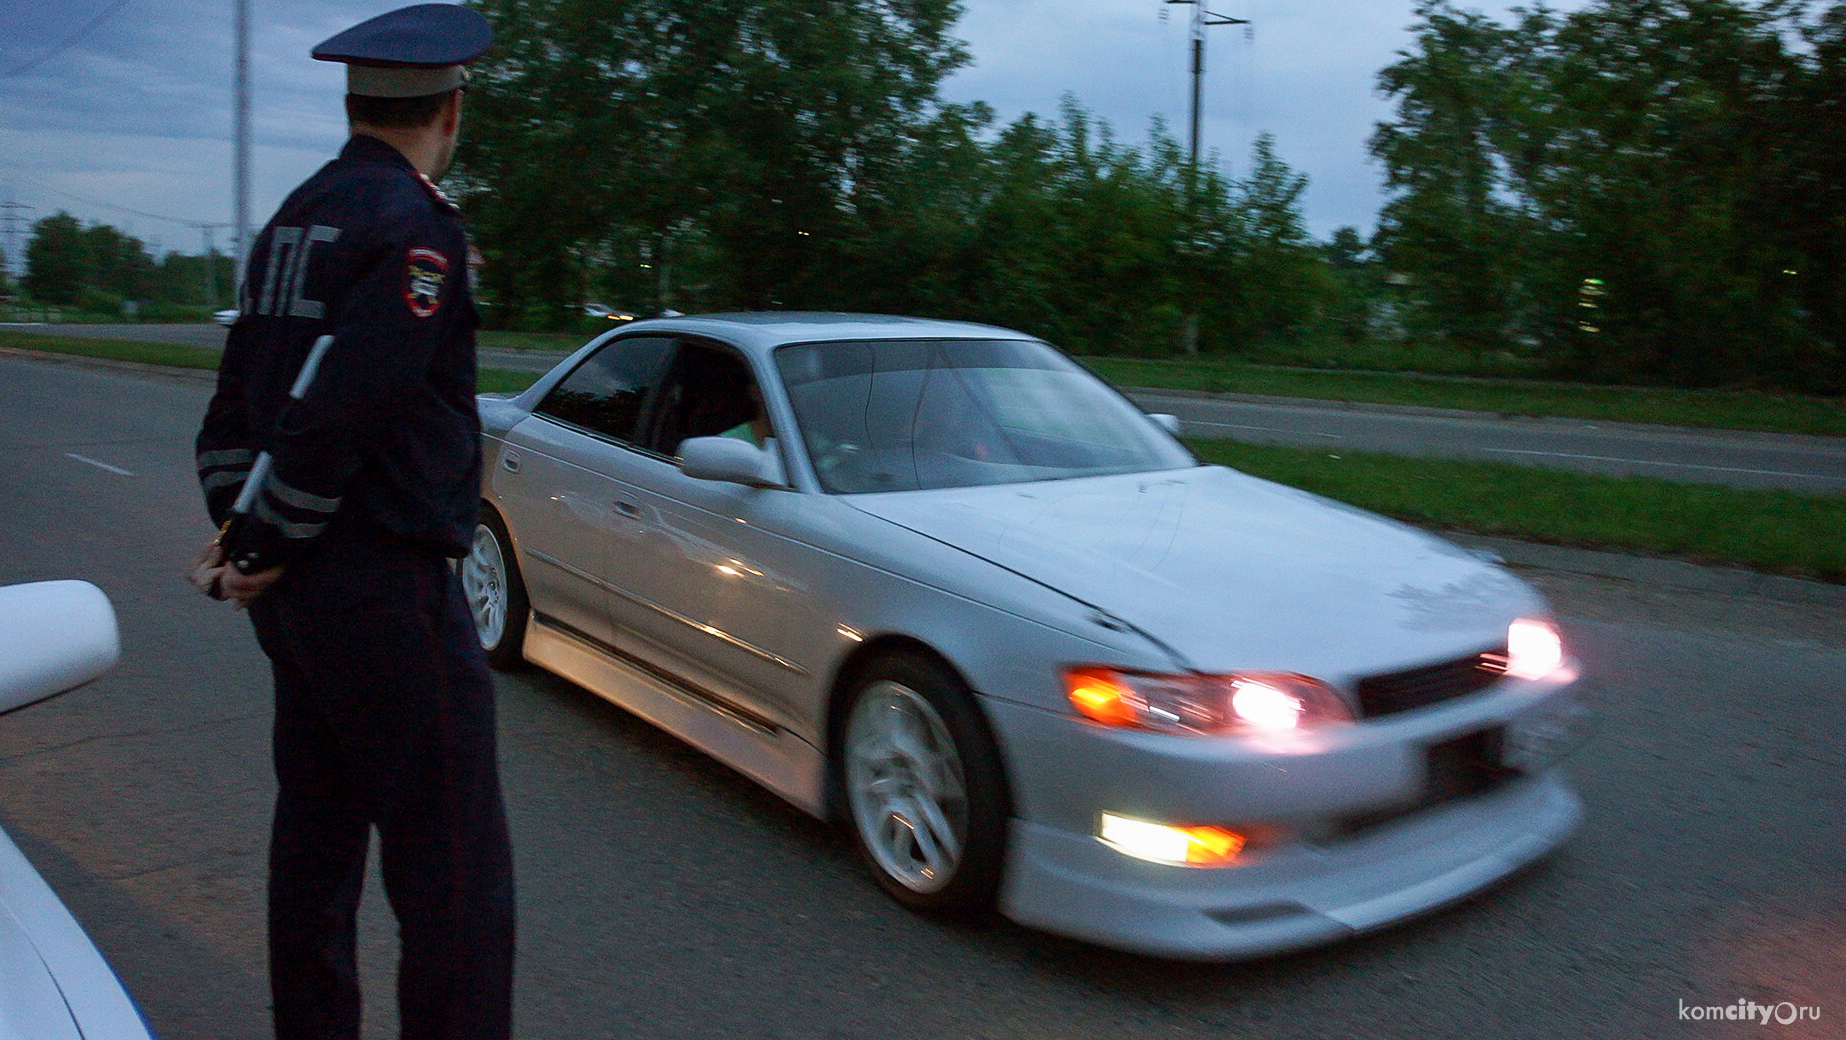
(1169, 423)
(54, 636)
(731, 460)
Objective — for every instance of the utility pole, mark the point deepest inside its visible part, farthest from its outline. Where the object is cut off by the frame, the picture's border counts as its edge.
(1201, 20)
(11, 216)
(241, 137)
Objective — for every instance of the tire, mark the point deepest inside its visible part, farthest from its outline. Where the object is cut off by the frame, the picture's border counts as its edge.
(496, 593)
(923, 790)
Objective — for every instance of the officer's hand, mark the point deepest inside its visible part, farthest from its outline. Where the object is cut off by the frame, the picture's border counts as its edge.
(240, 589)
(206, 570)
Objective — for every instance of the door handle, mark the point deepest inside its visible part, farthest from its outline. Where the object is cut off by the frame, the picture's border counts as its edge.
(510, 462)
(628, 509)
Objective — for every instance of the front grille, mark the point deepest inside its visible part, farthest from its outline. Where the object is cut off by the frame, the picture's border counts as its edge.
(1430, 684)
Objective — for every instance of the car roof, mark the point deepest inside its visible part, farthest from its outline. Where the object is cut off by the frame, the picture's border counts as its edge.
(766, 330)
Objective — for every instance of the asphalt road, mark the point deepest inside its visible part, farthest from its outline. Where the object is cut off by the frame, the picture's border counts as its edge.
(662, 896)
(1815, 465)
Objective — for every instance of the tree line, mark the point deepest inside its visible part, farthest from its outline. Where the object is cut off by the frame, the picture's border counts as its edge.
(97, 269)
(1641, 190)
(1646, 190)
(798, 154)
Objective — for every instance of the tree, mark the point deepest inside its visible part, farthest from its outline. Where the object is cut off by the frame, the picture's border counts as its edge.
(1624, 189)
(755, 129)
(56, 260)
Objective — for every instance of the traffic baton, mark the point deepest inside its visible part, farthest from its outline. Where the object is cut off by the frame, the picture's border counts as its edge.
(259, 471)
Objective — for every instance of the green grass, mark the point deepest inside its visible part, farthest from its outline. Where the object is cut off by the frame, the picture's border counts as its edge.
(1781, 532)
(1711, 409)
(558, 342)
(173, 355)
(170, 354)
(501, 381)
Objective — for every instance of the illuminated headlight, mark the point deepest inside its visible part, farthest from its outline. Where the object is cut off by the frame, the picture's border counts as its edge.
(1176, 846)
(1533, 649)
(1255, 703)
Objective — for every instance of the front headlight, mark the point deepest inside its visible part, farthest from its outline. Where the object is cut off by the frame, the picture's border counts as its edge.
(1534, 649)
(1251, 703)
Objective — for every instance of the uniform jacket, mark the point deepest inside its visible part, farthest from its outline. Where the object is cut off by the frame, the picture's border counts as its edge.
(387, 435)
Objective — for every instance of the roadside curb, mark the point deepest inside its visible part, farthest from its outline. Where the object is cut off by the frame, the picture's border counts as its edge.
(1651, 570)
(1655, 570)
(200, 375)
(1323, 404)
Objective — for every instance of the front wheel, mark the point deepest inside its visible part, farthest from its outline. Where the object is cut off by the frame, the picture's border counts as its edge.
(496, 594)
(923, 786)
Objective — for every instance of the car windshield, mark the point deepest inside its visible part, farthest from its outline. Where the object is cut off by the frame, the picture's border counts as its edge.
(905, 415)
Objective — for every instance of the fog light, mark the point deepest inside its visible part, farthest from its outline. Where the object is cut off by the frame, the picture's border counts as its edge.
(1179, 846)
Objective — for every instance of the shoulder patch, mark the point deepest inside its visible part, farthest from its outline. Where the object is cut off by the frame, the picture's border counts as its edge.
(424, 272)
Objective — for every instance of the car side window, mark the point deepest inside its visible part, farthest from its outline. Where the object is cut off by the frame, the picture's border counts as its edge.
(608, 393)
(711, 393)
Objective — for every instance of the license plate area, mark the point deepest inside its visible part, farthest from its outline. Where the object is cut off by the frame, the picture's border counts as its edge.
(1459, 767)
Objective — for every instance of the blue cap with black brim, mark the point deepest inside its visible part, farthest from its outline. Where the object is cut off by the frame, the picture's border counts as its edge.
(410, 52)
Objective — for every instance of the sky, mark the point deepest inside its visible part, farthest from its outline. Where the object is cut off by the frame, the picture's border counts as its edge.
(130, 123)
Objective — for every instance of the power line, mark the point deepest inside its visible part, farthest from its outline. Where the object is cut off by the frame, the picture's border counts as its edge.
(62, 47)
(42, 186)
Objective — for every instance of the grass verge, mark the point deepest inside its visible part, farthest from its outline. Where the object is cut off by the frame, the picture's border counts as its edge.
(173, 355)
(1782, 532)
(169, 354)
(1709, 409)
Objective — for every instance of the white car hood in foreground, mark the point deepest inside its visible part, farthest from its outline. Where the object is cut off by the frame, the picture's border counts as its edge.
(1231, 572)
(53, 983)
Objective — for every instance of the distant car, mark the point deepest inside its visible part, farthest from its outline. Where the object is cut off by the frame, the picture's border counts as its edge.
(939, 582)
(54, 984)
(226, 318)
(597, 310)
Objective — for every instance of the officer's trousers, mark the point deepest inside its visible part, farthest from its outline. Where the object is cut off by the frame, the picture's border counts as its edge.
(384, 718)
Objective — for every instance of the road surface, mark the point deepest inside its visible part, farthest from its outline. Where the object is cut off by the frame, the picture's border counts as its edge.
(662, 896)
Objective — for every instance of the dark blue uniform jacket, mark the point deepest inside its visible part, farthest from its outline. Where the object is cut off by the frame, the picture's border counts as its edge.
(387, 436)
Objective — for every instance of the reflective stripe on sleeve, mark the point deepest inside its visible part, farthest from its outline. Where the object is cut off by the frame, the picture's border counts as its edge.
(267, 513)
(300, 499)
(225, 478)
(226, 457)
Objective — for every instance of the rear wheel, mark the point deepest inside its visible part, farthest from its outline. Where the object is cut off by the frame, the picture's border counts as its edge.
(923, 786)
(496, 594)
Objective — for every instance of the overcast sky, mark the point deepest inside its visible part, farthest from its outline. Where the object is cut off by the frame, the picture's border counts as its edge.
(130, 124)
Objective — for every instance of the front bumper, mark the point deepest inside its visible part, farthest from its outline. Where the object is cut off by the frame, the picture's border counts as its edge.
(1364, 846)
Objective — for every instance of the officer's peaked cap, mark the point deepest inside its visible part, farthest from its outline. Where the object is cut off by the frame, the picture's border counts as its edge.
(410, 52)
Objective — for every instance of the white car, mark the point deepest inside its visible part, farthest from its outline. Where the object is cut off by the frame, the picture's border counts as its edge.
(54, 984)
(226, 318)
(938, 581)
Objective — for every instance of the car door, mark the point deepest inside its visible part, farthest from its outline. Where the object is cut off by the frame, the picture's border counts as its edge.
(555, 483)
(712, 591)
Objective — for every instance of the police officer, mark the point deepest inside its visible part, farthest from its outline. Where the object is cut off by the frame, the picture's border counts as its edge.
(384, 705)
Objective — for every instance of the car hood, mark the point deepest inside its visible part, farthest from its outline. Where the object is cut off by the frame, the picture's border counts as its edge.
(33, 1005)
(54, 985)
(1231, 572)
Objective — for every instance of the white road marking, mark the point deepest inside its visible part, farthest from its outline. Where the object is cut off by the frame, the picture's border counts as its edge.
(1653, 462)
(1263, 429)
(98, 465)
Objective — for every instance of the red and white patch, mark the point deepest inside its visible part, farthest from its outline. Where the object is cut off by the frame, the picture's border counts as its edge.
(424, 272)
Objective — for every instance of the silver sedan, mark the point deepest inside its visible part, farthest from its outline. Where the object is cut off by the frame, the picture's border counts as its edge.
(940, 583)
